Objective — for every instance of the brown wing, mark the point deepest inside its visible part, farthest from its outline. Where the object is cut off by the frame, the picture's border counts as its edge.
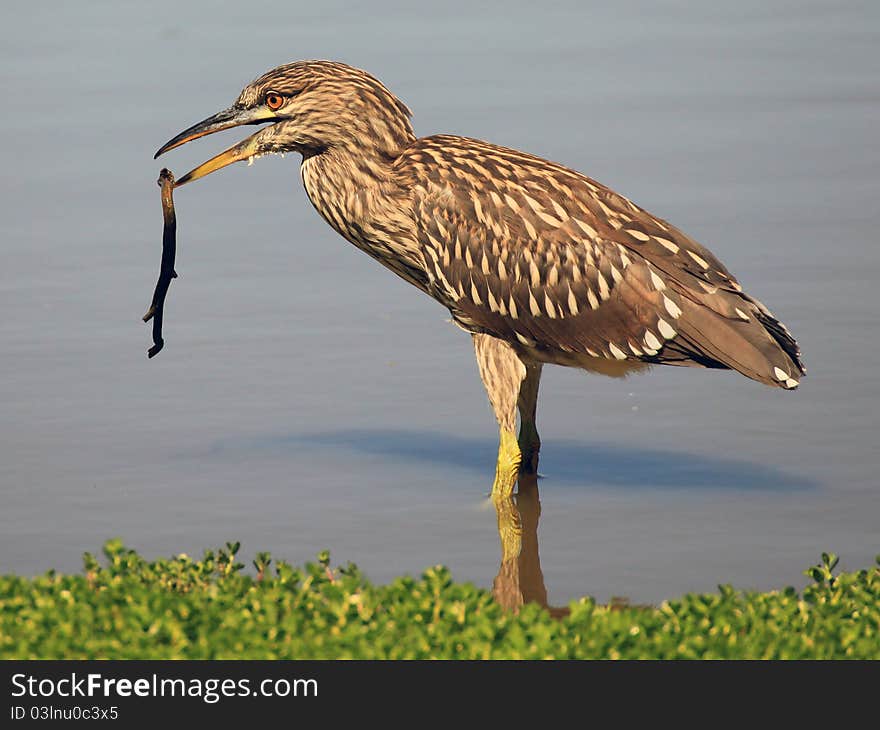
(531, 252)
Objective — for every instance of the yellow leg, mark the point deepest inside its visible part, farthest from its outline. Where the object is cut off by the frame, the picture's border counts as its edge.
(507, 468)
(506, 473)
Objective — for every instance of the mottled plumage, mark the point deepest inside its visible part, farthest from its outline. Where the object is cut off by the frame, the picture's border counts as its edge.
(562, 267)
(539, 262)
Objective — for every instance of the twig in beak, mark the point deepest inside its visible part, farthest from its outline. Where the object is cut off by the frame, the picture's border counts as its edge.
(166, 269)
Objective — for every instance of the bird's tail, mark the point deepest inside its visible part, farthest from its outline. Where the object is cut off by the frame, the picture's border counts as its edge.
(755, 343)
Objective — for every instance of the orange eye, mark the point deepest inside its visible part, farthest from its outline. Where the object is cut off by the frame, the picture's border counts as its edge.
(274, 101)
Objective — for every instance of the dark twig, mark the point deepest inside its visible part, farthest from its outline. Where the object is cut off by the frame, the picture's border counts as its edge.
(166, 270)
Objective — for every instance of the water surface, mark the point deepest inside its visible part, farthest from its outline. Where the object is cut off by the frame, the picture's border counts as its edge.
(306, 399)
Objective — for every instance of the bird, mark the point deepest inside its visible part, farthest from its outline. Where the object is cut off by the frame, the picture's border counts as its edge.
(539, 263)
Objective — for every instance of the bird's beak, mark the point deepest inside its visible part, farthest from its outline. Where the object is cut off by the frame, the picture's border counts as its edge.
(226, 119)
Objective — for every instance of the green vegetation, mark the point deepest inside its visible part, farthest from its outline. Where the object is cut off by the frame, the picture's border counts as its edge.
(210, 608)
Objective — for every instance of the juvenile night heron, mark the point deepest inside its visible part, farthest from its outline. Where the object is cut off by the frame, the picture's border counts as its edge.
(538, 262)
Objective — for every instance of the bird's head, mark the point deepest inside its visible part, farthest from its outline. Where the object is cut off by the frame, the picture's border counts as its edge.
(310, 107)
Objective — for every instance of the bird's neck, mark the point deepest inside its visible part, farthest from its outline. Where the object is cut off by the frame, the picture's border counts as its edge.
(357, 193)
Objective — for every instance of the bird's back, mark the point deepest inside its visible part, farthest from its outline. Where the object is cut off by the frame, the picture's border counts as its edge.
(571, 272)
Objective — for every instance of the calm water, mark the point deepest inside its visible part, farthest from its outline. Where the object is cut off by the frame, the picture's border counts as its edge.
(307, 399)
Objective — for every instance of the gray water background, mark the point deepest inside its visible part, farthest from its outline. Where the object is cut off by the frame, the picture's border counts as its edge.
(307, 399)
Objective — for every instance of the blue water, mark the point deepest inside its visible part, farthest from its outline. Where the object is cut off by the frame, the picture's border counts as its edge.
(306, 399)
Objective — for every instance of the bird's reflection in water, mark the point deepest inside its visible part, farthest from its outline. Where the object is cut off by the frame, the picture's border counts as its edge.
(520, 579)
